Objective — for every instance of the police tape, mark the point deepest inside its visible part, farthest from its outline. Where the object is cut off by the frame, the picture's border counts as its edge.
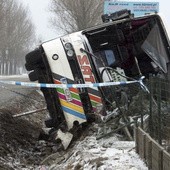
(45, 85)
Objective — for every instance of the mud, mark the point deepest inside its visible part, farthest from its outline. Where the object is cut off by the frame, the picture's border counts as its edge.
(19, 145)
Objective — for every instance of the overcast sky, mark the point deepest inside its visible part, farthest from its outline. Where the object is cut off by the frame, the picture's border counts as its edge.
(40, 15)
(39, 11)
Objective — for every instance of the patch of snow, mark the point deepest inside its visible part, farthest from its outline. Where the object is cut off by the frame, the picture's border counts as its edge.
(105, 154)
(14, 76)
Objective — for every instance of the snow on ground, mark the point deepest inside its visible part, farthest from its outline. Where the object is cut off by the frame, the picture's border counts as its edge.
(105, 154)
(91, 154)
(13, 76)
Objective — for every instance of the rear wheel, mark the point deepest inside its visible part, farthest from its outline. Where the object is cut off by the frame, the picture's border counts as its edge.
(33, 76)
(37, 63)
(33, 59)
(34, 56)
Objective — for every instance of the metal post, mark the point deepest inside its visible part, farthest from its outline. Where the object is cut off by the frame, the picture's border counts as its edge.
(29, 112)
(151, 105)
(159, 113)
(141, 109)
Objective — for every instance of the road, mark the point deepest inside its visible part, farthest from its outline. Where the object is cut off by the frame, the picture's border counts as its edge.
(9, 92)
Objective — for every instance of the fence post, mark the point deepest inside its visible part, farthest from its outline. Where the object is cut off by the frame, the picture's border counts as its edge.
(151, 105)
(141, 109)
(148, 151)
(136, 131)
(159, 113)
(166, 160)
(157, 156)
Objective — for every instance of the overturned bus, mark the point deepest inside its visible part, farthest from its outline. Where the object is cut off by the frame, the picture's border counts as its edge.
(122, 49)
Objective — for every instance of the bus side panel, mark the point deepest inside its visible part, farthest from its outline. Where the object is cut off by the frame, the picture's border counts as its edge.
(73, 109)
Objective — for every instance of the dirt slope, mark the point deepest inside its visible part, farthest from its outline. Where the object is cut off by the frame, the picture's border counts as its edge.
(19, 136)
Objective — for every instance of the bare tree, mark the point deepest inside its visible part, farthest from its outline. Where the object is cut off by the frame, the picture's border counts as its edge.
(2, 19)
(2, 4)
(75, 15)
(17, 35)
(21, 38)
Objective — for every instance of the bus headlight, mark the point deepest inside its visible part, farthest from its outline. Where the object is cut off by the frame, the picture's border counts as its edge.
(70, 53)
(68, 46)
